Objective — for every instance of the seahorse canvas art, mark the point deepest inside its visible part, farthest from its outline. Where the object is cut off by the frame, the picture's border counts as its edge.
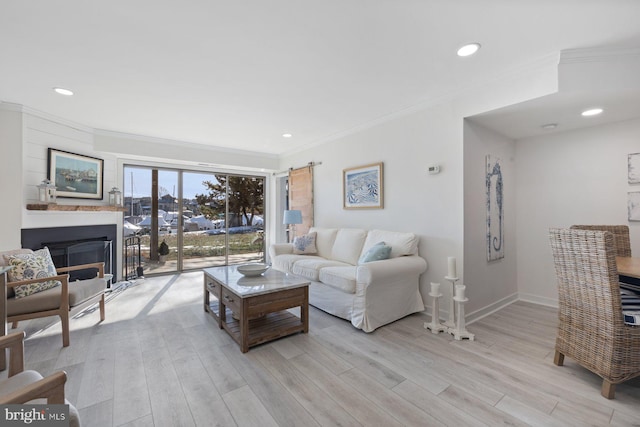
(495, 209)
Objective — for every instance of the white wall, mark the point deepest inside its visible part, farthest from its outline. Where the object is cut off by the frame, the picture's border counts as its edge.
(577, 177)
(429, 205)
(43, 133)
(488, 283)
(10, 177)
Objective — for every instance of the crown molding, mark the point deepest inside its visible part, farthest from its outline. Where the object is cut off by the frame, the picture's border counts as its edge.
(597, 54)
(9, 106)
(186, 144)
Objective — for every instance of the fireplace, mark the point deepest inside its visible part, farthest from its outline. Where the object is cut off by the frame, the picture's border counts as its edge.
(76, 245)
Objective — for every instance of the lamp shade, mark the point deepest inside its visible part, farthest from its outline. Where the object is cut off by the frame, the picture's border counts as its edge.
(292, 217)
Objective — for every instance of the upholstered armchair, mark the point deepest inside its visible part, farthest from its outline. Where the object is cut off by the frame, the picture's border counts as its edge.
(591, 328)
(28, 386)
(60, 300)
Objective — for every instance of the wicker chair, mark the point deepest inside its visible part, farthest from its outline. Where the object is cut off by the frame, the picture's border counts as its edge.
(591, 329)
(621, 239)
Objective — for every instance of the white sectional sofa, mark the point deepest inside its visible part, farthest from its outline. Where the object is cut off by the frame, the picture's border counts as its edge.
(369, 294)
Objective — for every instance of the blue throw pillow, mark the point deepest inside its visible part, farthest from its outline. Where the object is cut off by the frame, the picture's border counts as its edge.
(377, 252)
(305, 245)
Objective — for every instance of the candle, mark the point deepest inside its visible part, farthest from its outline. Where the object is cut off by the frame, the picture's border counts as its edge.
(460, 291)
(452, 267)
(435, 289)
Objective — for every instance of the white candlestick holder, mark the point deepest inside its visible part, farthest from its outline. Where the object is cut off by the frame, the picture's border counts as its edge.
(451, 320)
(460, 332)
(435, 326)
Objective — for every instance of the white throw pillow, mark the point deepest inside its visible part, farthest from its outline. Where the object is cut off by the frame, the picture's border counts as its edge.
(305, 244)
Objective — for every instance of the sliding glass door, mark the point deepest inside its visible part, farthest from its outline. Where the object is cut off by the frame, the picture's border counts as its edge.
(205, 219)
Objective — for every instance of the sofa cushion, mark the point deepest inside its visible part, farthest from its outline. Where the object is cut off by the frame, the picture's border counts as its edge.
(325, 237)
(35, 265)
(401, 243)
(285, 262)
(305, 244)
(310, 268)
(348, 245)
(377, 252)
(342, 278)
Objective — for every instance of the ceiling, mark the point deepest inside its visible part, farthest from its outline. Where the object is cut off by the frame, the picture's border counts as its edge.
(239, 74)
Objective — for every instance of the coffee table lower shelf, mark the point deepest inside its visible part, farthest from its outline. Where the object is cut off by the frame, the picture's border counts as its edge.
(262, 329)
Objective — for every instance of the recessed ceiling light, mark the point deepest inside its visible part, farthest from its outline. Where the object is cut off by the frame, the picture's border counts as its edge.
(592, 112)
(287, 135)
(549, 126)
(468, 49)
(63, 91)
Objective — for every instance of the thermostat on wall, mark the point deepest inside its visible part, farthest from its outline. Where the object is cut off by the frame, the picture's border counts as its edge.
(434, 169)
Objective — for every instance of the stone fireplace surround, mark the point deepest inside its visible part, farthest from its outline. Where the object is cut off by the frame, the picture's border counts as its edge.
(60, 239)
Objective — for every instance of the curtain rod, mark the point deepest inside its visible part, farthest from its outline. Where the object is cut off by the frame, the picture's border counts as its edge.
(311, 164)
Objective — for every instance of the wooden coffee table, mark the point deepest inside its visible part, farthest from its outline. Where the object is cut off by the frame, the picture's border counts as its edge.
(259, 303)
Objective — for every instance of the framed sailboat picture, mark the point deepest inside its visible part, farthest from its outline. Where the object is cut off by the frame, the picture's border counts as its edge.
(75, 176)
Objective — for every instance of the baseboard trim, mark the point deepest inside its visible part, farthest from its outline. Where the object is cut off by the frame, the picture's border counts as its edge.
(535, 299)
(498, 305)
(491, 308)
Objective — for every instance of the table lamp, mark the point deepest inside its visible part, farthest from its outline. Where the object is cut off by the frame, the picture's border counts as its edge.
(291, 218)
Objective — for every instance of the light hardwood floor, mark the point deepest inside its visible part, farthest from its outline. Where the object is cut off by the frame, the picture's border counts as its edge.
(159, 360)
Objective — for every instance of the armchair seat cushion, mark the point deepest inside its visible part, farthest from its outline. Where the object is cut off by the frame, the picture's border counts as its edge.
(47, 300)
(38, 302)
(80, 291)
(18, 381)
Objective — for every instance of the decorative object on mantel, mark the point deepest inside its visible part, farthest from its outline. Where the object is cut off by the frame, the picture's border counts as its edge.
(115, 197)
(70, 208)
(47, 192)
(362, 187)
(435, 326)
(75, 176)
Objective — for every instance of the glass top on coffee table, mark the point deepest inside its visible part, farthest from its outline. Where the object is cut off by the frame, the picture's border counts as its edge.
(270, 281)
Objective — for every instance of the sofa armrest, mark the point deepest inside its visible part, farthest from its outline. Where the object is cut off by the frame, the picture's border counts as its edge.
(280, 249)
(389, 269)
